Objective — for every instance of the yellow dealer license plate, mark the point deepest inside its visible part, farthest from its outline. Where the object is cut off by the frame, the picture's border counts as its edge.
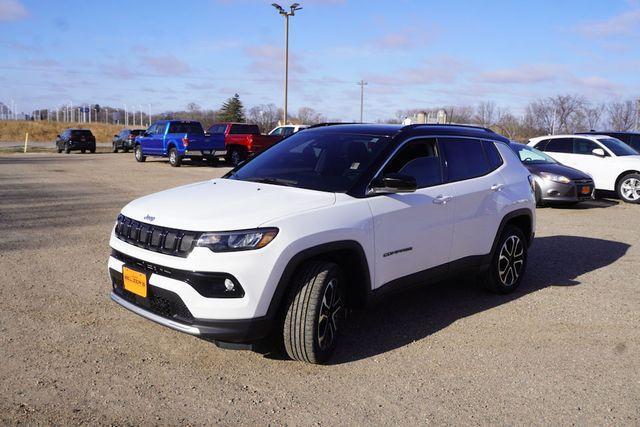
(134, 281)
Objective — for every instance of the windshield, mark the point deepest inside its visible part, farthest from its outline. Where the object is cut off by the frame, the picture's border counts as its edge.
(617, 147)
(531, 156)
(316, 161)
(185, 127)
(79, 133)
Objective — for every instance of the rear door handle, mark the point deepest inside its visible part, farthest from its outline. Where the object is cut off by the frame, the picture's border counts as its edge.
(497, 187)
(442, 200)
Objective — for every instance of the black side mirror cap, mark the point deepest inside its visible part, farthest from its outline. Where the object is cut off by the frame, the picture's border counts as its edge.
(394, 183)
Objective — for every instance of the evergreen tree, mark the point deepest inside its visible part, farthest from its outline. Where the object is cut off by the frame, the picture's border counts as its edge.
(232, 110)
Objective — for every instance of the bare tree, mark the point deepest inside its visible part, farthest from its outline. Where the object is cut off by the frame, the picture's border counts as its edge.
(593, 115)
(622, 115)
(266, 116)
(486, 114)
(309, 116)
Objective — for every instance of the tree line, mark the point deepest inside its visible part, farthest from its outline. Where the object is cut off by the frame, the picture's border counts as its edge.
(550, 115)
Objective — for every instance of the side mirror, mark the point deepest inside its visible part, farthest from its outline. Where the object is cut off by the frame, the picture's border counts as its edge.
(598, 152)
(146, 133)
(58, 136)
(115, 136)
(394, 183)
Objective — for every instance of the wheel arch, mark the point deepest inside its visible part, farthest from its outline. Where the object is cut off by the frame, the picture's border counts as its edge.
(622, 175)
(349, 255)
(521, 218)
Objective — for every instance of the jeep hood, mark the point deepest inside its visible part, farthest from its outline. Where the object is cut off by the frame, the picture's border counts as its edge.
(224, 205)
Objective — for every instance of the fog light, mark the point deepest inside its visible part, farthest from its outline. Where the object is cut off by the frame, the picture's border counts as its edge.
(229, 285)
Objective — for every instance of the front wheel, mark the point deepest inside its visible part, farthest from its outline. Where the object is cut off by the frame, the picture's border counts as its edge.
(628, 188)
(316, 308)
(67, 149)
(137, 153)
(174, 159)
(59, 149)
(508, 263)
(115, 148)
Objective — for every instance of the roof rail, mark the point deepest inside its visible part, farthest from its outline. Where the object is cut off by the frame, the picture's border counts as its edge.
(318, 125)
(415, 125)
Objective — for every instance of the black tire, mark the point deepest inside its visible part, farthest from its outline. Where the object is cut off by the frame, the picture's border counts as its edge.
(508, 263)
(67, 149)
(628, 188)
(58, 148)
(137, 153)
(115, 147)
(236, 156)
(174, 159)
(92, 150)
(83, 151)
(311, 326)
(125, 149)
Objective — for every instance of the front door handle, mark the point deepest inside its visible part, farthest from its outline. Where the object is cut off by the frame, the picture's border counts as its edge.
(442, 200)
(497, 187)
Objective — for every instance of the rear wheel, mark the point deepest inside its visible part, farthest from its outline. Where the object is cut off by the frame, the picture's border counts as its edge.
(125, 149)
(628, 188)
(83, 151)
(174, 159)
(508, 263)
(235, 156)
(92, 150)
(137, 153)
(315, 312)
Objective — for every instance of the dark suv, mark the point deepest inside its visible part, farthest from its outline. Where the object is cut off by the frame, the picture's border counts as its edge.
(76, 139)
(125, 139)
(632, 139)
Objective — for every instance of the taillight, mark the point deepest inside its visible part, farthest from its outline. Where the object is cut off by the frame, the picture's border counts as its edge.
(185, 141)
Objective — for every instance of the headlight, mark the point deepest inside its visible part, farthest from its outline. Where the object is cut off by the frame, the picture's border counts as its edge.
(243, 240)
(555, 178)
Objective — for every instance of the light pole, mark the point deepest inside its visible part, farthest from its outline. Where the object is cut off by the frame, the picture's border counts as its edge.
(362, 84)
(286, 15)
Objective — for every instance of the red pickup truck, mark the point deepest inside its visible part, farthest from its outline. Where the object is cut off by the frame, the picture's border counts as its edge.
(242, 140)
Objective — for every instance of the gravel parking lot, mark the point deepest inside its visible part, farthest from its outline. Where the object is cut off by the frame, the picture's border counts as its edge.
(562, 349)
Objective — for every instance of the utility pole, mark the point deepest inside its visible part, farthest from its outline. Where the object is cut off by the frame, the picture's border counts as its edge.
(638, 115)
(292, 11)
(362, 84)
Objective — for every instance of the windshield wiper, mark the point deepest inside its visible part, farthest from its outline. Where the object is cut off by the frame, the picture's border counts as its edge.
(272, 180)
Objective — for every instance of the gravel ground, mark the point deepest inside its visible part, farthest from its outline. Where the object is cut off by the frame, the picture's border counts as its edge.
(562, 350)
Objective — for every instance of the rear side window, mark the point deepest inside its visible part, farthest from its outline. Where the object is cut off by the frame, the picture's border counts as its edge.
(420, 159)
(542, 145)
(244, 129)
(287, 131)
(635, 142)
(137, 132)
(80, 133)
(493, 155)
(465, 158)
(560, 145)
(185, 127)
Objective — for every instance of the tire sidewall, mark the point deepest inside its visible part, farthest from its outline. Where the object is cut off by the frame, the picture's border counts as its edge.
(493, 273)
(137, 153)
(322, 355)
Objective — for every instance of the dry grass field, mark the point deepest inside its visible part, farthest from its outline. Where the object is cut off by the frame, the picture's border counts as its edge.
(14, 131)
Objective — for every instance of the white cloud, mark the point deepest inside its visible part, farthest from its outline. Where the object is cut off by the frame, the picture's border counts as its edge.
(525, 74)
(626, 23)
(12, 10)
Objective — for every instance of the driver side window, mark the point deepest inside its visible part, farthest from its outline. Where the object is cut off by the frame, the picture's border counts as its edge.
(420, 158)
(584, 146)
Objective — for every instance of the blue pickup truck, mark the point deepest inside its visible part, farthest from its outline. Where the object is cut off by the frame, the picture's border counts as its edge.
(178, 140)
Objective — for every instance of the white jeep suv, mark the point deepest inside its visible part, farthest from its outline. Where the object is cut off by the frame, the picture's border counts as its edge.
(333, 217)
(614, 165)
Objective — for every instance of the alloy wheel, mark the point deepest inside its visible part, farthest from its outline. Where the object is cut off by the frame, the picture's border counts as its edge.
(630, 189)
(511, 260)
(330, 313)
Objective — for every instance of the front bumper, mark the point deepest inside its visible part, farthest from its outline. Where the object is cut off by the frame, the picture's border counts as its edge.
(236, 331)
(551, 191)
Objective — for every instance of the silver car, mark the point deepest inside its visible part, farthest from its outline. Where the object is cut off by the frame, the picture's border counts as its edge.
(554, 181)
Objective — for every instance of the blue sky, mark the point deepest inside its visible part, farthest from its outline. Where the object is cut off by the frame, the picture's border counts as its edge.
(414, 54)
